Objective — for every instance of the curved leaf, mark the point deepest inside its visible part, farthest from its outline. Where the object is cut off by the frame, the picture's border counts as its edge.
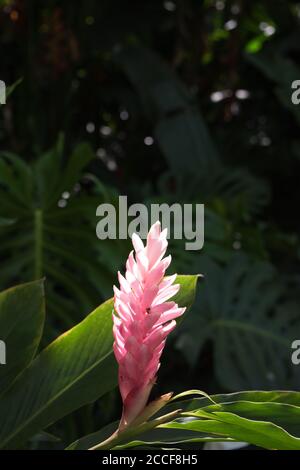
(77, 368)
(22, 314)
(238, 311)
(281, 414)
(259, 433)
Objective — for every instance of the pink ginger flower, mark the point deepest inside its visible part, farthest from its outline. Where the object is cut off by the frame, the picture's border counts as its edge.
(144, 319)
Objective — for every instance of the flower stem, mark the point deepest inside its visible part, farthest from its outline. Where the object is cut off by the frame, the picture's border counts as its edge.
(130, 432)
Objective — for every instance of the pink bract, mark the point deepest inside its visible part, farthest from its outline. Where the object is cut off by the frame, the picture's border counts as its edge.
(144, 318)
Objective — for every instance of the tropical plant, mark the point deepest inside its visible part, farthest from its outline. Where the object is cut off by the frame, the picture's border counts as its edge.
(265, 419)
(243, 311)
(180, 102)
(75, 369)
(48, 217)
(79, 367)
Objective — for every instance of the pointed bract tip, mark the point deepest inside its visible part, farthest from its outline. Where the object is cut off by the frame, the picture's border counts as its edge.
(167, 396)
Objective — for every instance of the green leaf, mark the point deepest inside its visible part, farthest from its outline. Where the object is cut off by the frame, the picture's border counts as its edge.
(163, 438)
(82, 155)
(253, 396)
(275, 409)
(22, 313)
(16, 177)
(94, 438)
(281, 414)
(251, 338)
(259, 433)
(47, 239)
(116, 439)
(76, 369)
(186, 295)
(44, 437)
(281, 409)
(149, 436)
(50, 162)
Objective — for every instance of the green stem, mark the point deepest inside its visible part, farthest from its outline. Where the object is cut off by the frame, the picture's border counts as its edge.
(108, 443)
(38, 243)
(121, 437)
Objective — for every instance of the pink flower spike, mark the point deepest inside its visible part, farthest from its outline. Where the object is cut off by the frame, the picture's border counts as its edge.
(143, 319)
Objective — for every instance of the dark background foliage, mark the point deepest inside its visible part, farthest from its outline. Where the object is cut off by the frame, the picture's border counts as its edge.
(164, 101)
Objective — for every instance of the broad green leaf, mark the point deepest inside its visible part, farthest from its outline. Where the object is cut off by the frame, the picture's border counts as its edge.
(50, 162)
(260, 433)
(163, 438)
(57, 242)
(80, 158)
(280, 408)
(156, 437)
(22, 314)
(72, 172)
(95, 441)
(16, 177)
(281, 414)
(86, 442)
(77, 368)
(253, 396)
(186, 295)
(251, 337)
(182, 135)
(44, 437)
